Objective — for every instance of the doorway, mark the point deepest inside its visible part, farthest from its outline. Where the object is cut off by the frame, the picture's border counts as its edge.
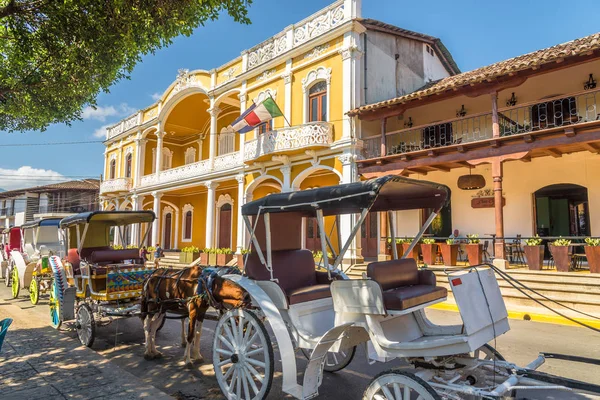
(313, 235)
(225, 226)
(167, 231)
(368, 236)
(562, 210)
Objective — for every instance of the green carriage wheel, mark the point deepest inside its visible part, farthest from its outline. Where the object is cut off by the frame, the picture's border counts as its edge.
(55, 320)
(15, 283)
(34, 291)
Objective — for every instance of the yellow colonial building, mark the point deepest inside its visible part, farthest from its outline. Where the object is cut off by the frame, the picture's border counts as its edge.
(178, 158)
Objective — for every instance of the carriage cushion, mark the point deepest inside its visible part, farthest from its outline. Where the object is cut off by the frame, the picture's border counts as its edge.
(113, 256)
(73, 259)
(403, 285)
(295, 270)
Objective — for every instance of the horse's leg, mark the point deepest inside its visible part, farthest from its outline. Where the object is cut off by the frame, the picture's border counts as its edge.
(200, 319)
(183, 341)
(190, 333)
(147, 333)
(156, 321)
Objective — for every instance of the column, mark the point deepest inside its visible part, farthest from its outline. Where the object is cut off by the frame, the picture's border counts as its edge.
(383, 144)
(497, 174)
(159, 146)
(352, 78)
(210, 213)
(240, 221)
(287, 102)
(348, 221)
(214, 115)
(140, 155)
(176, 231)
(119, 160)
(242, 96)
(286, 170)
(135, 229)
(495, 123)
(156, 223)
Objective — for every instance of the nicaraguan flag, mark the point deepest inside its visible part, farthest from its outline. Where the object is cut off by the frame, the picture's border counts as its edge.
(256, 115)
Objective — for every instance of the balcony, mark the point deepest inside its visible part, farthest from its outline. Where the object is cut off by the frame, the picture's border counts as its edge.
(115, 185)
(307, 136)
(530, 119)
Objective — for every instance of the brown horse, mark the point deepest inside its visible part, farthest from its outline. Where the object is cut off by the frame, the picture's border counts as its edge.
(168, 290)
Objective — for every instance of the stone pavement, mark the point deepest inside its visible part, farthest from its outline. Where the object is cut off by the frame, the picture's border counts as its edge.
(41, 363)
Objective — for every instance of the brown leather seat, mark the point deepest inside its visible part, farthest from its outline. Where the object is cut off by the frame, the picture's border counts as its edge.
(295, 270)
(73, 259)
(403, 285)
(101, 258)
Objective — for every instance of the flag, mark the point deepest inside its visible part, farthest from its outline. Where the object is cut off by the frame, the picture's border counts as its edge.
(256, 115)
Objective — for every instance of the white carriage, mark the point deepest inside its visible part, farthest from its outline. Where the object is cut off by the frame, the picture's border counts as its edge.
(328, 314)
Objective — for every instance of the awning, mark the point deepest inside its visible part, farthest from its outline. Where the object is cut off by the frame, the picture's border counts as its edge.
(113, 218)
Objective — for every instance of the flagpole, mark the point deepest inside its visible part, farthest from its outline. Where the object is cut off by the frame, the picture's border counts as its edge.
(282, 114)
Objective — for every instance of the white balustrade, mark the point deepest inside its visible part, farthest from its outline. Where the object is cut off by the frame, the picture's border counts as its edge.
(123, 126)
(314, 134)
(115, 185)
(227, 161)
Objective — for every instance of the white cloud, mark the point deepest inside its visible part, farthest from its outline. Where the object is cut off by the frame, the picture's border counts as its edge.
(27, 176)
(100, 113)
(101, 132)
(156, 96)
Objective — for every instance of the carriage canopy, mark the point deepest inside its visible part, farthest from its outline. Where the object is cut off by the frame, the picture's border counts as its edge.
(109, 218)
(42, 222)
(387, 193)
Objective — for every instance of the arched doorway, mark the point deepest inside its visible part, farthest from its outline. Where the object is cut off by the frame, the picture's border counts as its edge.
(562, 210)
(167, 222)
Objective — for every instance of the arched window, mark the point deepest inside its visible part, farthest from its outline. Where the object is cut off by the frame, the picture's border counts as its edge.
(128, 159)
(113, 169)
(190, 155)
(167, 159)
(317, 102)
(188, 214)
(226, 141)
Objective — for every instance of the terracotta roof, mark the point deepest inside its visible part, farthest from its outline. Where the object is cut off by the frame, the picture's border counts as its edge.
(438, 46)
(537, 58)
(80, 185)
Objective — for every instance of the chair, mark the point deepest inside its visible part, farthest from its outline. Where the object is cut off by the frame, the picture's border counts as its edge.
(487, 257)
(4, 324)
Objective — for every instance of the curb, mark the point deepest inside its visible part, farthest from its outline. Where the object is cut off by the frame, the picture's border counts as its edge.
(528, 316)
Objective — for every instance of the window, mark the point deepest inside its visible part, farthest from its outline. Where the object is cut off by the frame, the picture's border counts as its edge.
(226, 141)
(265, 127)
(188, 214)
(113, 169)
(190, 155)
(128, 165)
(167, 159)
(317, 102)
(429, 50)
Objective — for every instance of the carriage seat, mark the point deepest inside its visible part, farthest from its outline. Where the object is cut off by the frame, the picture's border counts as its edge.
(403, 285)
(101, 258)
(295, 270)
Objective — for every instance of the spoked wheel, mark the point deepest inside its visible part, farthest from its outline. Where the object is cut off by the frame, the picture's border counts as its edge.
(487, 352)
(34, 291)
(85, 325)
(243, 356)
(15, 284)
(335, 361)
(7, 274)
(399, 385)
(54, 303)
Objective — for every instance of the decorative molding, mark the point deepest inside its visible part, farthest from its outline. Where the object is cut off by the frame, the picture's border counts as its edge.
(314, 158)
(282, 158)
(266, 75)
(184, 211)
(151, 113)
(128, 150)
(211, 185)
(190, 153)
(264, 94)
(347, 158)
(214, 111)
(267, 51)
(113, 156)
(227, 161)
(287, 77)
(319, 24)
(224, 199)
(262, 168)
(317, 74)
(183, 81)
(115, 185)
(349, 51)
(317, 51)
(176, 174)
(126, 124)
(229, 74)
(241, 179)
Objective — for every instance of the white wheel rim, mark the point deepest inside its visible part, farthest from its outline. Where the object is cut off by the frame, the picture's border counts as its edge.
(241, 356)
(84, 323)
(396, 387)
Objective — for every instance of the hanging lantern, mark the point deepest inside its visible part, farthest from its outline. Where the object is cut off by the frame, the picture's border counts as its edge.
(471, 182)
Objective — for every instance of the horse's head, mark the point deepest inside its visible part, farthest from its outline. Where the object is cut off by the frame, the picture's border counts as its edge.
(230, 293)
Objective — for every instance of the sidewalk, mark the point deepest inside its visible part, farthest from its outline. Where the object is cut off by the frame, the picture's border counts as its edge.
(38, 362)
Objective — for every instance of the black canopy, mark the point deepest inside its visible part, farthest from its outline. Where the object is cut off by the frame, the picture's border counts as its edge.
(41, 222)
(113, 218)
(387, 193)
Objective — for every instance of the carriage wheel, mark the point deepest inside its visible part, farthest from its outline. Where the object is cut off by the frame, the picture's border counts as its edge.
(15, 284)
(85, 325)
(243, 356)
(54, 303)
(34, 291)
(8, 273)
(487, 352)
(399, 385)
(335, 361)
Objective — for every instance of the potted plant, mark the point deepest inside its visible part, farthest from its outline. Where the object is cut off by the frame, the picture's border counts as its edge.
(318, 255)
(474, 249)
(189, 254)
(150, 255)
(592, 253)
(450, 252)
(212, 256)
(429, 250)
(224, 255)
(204, 256)
(534, 253)
(117, 247)
(240, 258)
(560, 253)
(414, 254)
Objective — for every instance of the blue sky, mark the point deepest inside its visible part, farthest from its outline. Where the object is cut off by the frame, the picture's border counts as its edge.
(476, 33)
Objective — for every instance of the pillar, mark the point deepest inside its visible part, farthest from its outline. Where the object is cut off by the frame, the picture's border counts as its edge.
(495, 123)
(212, 137)
(383, 151)
(175, 234)
(351, 77)
(347, 221)
(287, 102)
(497, 175)
(156, 223)
(140, 155)
(242, 96)
(159, 146)
(286, 171)
(135, 229)
(240, 221)
(210, 213)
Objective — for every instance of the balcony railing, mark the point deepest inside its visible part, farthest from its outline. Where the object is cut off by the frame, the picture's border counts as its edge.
(227, 161)
(555, 112)
(115, 185)
(313, 134)
(176, 174)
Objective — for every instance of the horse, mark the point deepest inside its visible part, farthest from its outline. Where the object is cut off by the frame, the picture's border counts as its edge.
(192, 290)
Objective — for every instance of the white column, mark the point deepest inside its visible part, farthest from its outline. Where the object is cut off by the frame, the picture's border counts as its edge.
(199, 158)
(243, 96)
(156, 224)
(214, 115)
(240, 222)
(351, 78)
(140, 154)
(347, 221)
(159, 146)
(210, 213)
(135, 229)
(286, 170)
(119, 160)
(176, 232)
(287, 101)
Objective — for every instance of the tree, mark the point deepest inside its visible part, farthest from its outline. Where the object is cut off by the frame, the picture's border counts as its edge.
(57, 55)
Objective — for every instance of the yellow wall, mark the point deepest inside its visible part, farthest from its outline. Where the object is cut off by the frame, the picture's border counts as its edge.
(222, 71)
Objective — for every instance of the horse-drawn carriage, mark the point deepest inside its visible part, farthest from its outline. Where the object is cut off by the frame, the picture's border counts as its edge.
(12, 253)
(4, 255)
(329, 314)
(97, 283)
(31, 269)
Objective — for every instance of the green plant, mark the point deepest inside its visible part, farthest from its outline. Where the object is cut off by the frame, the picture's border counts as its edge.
(592, 242)
(244, 251)
(132, 246)
(151, 249)
(117, 247)
(561, 242)
(224, 250)
(402, 241)
(209, 250)
(451, 241)
(190, 249)
(428, 241)
(534, 241)
(317, 254)
(473, 238)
